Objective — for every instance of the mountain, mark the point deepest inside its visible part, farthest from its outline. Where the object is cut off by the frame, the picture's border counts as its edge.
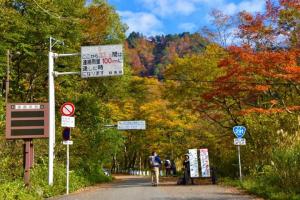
(149, 56)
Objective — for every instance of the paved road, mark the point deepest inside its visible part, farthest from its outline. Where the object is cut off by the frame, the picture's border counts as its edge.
(138, 188)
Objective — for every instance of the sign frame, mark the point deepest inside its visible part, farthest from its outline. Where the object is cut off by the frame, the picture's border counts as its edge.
(30, 108)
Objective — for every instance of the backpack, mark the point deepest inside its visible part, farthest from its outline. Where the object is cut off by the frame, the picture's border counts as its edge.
(154, 161)
(168, 163)
(151, 161)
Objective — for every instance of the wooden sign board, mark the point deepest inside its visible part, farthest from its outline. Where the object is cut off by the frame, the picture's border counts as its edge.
(27, 120)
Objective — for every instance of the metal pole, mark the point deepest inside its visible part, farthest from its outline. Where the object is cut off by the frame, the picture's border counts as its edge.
(56, 74)
(240, 166)
(50, 43)
(51, 116)
(7, 77)
(68, 164)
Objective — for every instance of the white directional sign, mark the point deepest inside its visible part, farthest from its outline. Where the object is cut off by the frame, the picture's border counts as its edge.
(98, 61)
(67, 121)
(68, 142)
(239, 141)
(132, 125)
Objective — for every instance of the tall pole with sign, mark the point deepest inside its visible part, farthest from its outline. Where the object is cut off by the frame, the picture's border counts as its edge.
(239, 132)
(67, 111)
(96, 61)
(51, 116)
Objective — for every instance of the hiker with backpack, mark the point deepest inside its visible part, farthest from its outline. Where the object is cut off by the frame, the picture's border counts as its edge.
(155, 164)
(168, 167)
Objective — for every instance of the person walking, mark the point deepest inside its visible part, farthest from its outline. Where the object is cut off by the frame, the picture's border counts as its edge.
(168, 167)
(155, 164)
(187, 173)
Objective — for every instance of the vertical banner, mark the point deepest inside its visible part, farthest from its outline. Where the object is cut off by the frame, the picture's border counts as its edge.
(204, 163)
(194, 167)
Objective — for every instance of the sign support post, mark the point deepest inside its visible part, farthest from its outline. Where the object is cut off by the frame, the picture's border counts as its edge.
(51, 85)
(68, 165)
(240, 165)
(51, 116)
(239, 132)
(27, 161)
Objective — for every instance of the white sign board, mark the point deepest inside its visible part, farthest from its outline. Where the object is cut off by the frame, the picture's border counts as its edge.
(98, 61)
(132, 125)
(27, 107)
(67, 121)
(194, 166)
(68, 142)
(239, 141)
(205, 170)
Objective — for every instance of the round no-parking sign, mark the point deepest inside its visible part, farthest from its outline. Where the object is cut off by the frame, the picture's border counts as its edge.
(67, 109)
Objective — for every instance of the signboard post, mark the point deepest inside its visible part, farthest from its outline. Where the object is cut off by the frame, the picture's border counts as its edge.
(239, 132)
(194, 167)
(67, 110)
(132, 125)
(27, 121)
(205, 170)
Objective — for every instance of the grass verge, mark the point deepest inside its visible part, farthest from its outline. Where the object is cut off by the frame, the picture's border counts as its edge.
(259, 188)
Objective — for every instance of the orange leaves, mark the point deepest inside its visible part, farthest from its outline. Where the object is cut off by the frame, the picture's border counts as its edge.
(262, 88)
(291, 3)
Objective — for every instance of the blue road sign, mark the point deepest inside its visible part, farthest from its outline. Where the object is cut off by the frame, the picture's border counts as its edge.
(239, 131)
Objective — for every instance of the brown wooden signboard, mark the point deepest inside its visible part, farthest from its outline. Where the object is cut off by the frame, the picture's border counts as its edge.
(27, 120)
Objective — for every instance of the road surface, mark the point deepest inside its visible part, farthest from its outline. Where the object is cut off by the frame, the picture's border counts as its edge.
(139, 188)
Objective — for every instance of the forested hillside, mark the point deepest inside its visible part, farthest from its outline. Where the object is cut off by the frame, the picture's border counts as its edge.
(188, 88)
(149, 56)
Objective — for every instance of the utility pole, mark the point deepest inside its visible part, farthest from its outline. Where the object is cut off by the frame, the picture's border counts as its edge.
(51, 84)
(51, 115)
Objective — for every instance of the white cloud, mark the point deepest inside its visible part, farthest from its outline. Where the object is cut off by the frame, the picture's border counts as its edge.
(171, 8)
(251, 6)
(142, 22)
(190, 27)
(165, 8)
(185, 8)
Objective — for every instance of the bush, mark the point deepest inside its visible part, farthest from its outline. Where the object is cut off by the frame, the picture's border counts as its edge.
(16, 190)
(278, 181)
(40, 189)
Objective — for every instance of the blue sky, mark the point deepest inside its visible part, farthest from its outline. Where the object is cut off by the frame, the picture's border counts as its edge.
(156, 17)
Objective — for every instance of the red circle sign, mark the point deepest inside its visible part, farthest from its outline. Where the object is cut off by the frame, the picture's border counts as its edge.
(67, 109)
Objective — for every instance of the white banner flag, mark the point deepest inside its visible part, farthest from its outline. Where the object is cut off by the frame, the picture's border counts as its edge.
(204, 163)
(194, 166)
